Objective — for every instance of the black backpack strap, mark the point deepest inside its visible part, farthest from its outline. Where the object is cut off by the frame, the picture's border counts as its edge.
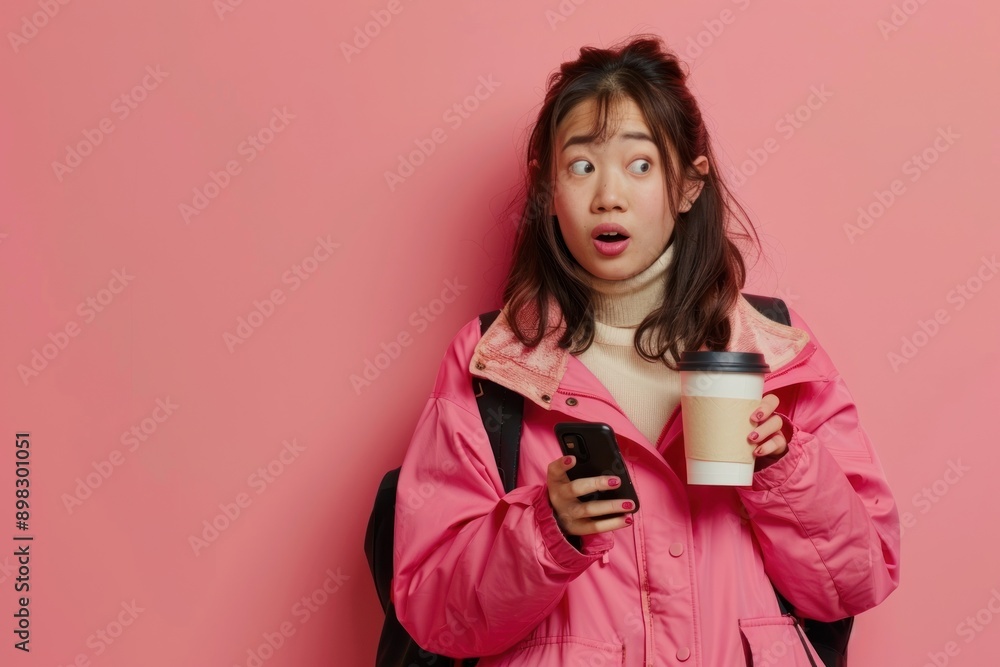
(771, 307)
(378, 536)
(502, 410)
(829, 639)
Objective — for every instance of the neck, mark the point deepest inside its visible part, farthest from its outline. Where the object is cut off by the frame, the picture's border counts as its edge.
(623, 304)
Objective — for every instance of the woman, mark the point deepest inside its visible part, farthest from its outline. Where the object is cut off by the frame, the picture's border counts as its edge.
(623, 260)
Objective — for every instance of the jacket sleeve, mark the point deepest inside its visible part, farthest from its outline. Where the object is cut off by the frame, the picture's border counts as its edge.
(823, 514)
(475, 569)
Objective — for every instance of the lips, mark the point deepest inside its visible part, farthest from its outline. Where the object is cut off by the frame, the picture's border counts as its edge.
(610, 239)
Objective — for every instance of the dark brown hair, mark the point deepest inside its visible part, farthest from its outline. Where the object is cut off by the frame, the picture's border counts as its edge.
(707, 272)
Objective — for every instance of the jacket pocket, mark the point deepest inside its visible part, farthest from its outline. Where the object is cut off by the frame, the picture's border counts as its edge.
(775, 641)
(559, 652)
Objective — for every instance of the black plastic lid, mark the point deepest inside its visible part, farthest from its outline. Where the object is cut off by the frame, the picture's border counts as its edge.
(724, 362)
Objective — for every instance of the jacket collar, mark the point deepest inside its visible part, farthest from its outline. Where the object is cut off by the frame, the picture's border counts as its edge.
(538, 372)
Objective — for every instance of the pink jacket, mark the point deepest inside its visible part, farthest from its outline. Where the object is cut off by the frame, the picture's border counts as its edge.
(480, 572)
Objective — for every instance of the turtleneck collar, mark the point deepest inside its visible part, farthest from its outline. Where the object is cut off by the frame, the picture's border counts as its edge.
(621, 305)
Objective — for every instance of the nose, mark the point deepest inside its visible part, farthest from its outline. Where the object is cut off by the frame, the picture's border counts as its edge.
(610, 195)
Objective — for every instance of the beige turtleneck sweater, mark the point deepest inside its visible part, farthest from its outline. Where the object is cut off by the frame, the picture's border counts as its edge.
(647, 391)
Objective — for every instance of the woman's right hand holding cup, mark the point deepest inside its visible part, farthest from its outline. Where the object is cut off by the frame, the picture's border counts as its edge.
(578, 518)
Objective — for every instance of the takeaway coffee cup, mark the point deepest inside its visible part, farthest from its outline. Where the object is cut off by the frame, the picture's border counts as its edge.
(719, 392)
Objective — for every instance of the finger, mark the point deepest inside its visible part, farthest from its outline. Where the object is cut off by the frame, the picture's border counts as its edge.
(556, 483)
(585, 485)
(612, 517)
(557, 469)
(573, 519)
(567, 522)
(776, 445)
(611, 523)
(765, 430)
(595, 508)
(768, 404)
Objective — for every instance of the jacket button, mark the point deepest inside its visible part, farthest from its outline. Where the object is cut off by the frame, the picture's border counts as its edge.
(676, 549)
(546, 398)
(570, 401)
(480, 365)
(683, 653)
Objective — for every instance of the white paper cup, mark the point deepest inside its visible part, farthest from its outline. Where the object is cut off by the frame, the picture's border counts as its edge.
(719, 392)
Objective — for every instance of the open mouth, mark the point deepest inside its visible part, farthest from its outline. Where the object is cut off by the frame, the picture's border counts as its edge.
(611, 244)
(611, 237)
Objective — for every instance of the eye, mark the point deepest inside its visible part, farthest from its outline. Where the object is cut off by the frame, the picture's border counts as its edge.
(581, 167)
(642, 166)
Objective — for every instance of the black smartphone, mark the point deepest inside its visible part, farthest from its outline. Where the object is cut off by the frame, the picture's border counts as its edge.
(597, 453)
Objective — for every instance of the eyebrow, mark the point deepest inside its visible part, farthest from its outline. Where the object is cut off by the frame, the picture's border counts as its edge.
(589, 138)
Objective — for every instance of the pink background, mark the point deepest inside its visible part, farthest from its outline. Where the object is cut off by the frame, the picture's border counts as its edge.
(887, 96)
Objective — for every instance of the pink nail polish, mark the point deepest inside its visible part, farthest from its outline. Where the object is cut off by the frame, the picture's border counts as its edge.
(627, 505)
(754, 436)
(614, 481)
(759, 415)
(567, 460)
(628, 521)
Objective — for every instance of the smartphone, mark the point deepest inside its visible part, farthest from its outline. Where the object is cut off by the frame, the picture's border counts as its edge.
(597, 453)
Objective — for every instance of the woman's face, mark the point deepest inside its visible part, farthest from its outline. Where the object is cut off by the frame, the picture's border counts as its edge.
(615, 186)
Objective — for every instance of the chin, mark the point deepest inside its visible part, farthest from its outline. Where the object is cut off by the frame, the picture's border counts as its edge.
(607, 273)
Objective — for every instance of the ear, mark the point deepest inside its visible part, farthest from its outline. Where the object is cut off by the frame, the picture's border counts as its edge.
(694, 186)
